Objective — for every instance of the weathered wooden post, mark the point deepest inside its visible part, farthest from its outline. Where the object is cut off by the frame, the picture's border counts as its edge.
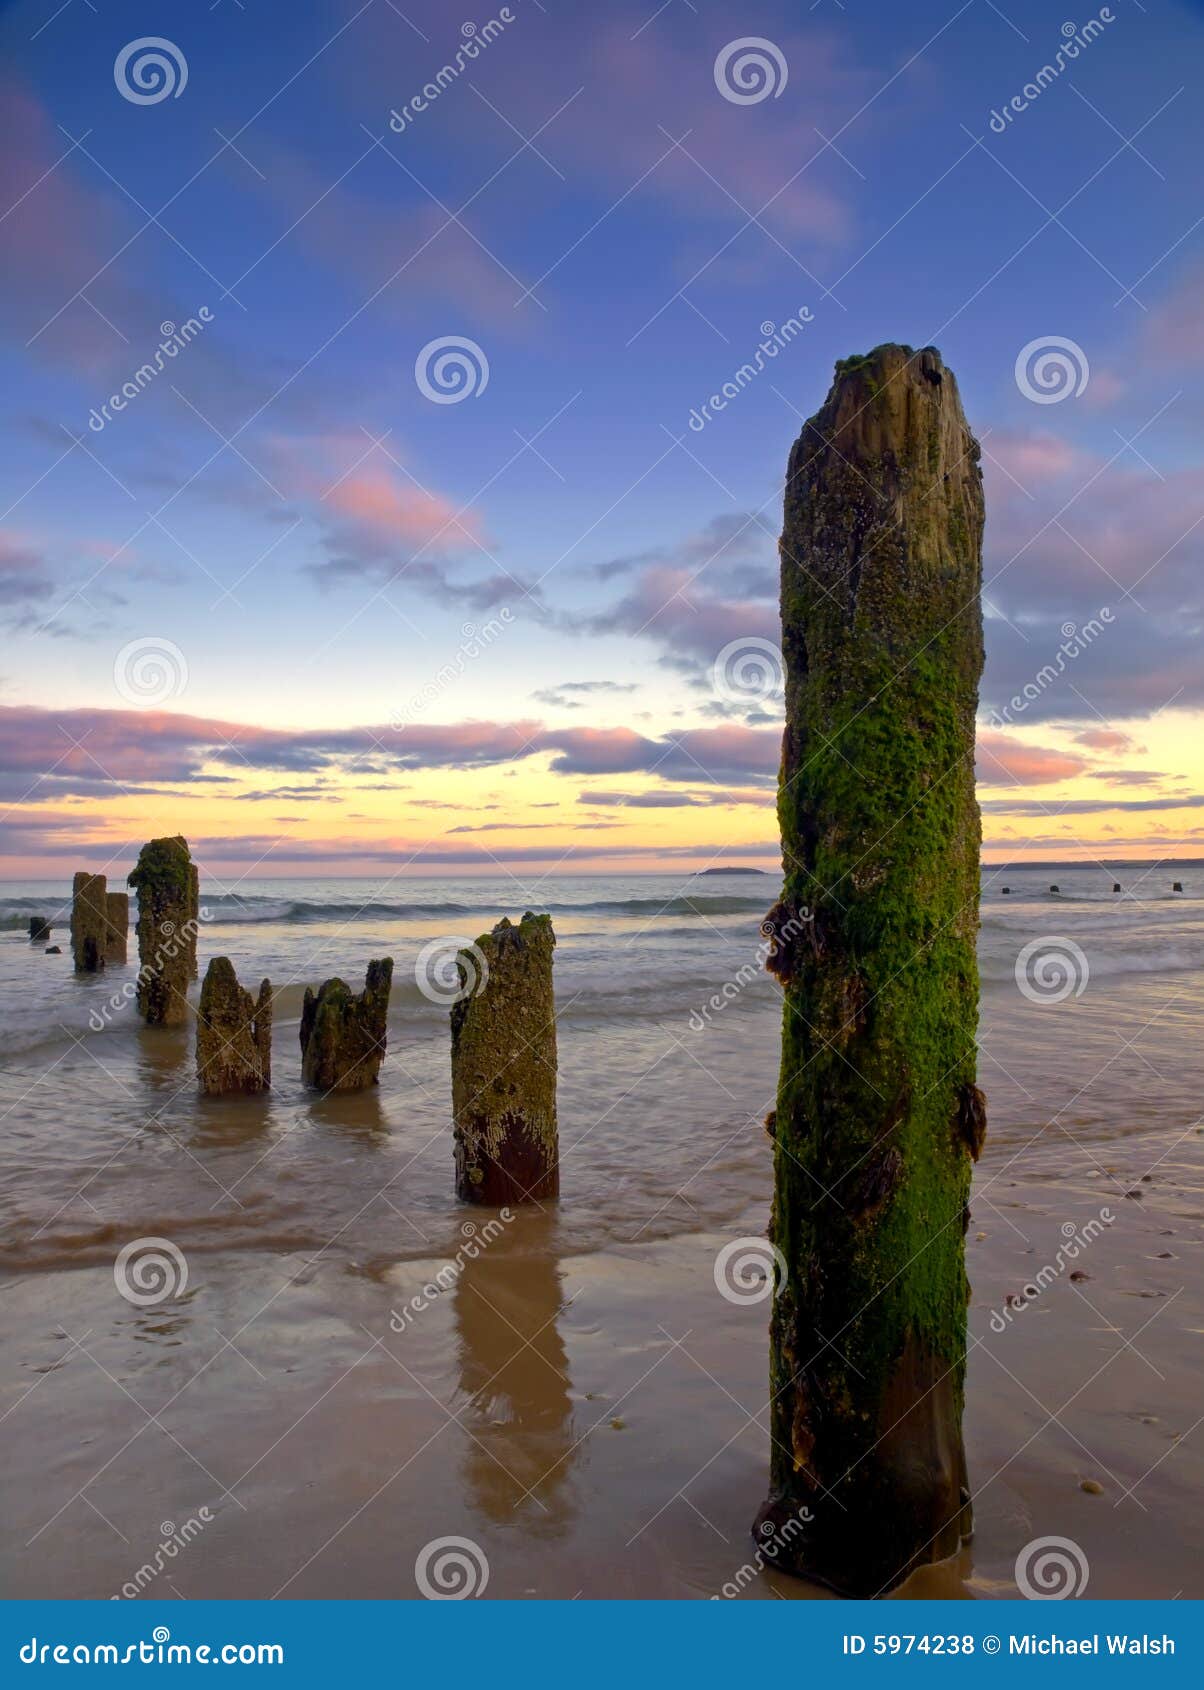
(233, 1033)
(39, 929)
(878, 1116)
(117, 913)
(504, 1066)
(194, 918)
(89, 923)
(343, 1033)
(163, 880)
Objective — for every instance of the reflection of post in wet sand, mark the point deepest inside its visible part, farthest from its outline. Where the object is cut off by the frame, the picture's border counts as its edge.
(514, 1373)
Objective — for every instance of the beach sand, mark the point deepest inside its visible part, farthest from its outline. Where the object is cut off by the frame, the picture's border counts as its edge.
(595, 1424)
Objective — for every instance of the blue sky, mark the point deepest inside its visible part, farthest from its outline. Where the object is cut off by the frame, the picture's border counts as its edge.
(308, 535)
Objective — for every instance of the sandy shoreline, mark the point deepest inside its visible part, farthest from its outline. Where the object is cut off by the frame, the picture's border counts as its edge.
(593, 1422)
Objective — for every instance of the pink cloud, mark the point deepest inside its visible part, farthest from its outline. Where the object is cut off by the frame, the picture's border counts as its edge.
(1005, 761)
(1174, 330)
(1030, 459)
(378, 499)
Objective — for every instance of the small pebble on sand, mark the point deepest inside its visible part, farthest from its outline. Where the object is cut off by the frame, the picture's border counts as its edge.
(1079, 1274)
(618, 1425)
(1091, 1486)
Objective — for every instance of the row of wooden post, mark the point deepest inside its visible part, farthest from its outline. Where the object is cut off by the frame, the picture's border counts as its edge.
(503, 1025)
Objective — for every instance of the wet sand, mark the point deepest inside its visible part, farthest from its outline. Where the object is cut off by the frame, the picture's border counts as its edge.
(595, 1423)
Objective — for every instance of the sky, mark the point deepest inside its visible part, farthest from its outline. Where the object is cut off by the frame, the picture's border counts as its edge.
(364, 505)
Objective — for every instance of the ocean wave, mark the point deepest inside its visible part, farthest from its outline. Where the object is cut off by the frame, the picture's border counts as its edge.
(230, 910)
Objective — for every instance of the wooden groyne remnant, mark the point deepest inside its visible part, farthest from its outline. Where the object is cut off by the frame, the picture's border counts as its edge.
(100, 921)
(233, 1033)
(165, 879)
(878, 1116)
(117, 910)
(504, 1066)
(89, 923)
(343, 1033)
(39, 929)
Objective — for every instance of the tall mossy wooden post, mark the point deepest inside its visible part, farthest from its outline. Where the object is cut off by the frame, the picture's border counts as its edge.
(504, 1066)
(878, 1116)
(164, 881)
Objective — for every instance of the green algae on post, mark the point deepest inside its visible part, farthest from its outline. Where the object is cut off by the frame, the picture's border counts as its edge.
(117, 911)
(89, 923)
(343, 1033)
(504, 1067)
(233, 1033)
(878, 1116)
(164, 879)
